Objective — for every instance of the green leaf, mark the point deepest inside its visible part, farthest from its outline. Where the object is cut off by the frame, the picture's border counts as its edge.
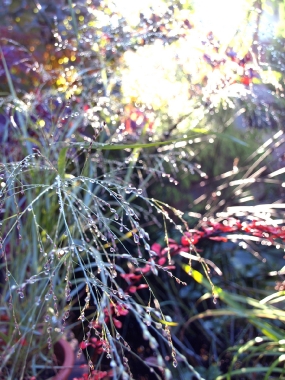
(4, 337)
(32, 140)
(62, 161)
(243, 307)
(249, 370)
(8, 76)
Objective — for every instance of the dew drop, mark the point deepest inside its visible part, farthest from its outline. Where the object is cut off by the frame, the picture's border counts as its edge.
(79, 353)
(136, 238)
(146, 235)
(47, 296)
(49, 343)
(147, 246)
(131, 211)
(125, 360)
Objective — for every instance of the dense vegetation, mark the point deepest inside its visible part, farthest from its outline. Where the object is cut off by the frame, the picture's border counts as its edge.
(142, 192)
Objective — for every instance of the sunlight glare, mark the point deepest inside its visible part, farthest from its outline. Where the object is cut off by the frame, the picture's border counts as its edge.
(131, 9)
(222, 17)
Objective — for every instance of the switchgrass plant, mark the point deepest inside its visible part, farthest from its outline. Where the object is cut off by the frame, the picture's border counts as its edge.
(75, 241)
(74, 209)
(72, 231)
